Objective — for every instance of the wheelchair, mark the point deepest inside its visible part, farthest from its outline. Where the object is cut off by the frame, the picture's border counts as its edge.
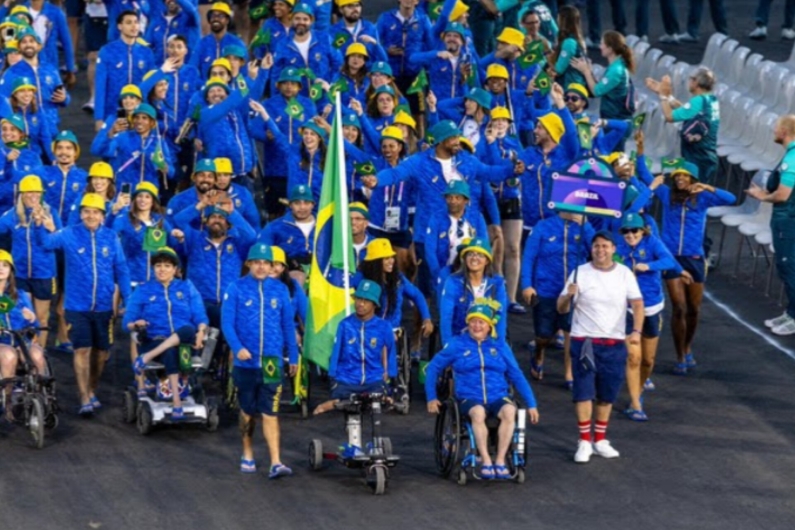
(403, 380)
(455, 450)
(376, 457)
(155, 408)
(32, 401)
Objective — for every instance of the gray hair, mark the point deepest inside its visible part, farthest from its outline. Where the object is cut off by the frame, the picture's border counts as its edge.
(704, 78)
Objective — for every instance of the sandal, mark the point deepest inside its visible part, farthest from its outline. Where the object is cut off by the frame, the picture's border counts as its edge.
(139, 365)
(636, 415)
(177, 414)
(536, 370)
(680, 369)
(487, 472)
(501, 472)
(95, 403)
(86, 410)
(247, 466)
(690, 361)
(279, 470)
(65, 347)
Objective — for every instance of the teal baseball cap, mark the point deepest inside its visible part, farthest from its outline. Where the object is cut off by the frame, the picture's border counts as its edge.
(146, 109)
(205, 164)
(289, 75)
(381, 67)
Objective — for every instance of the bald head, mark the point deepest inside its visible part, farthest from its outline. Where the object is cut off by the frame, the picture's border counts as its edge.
(785, 130)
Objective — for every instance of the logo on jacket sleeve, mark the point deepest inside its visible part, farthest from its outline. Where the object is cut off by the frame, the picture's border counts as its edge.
(230, 248)
(274, 303)
(105, 252)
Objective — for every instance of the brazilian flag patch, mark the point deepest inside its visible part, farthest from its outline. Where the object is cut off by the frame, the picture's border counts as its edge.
(365, 168)
(271, 370)
(184, 358)
(340, 39)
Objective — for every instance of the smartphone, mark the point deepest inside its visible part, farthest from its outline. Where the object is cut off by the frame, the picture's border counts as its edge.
(121, 114)
(59, 87)
(126, 188)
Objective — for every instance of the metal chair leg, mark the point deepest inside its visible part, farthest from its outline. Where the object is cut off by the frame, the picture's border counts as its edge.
(753, 270)
(738, 256)
(720, 245)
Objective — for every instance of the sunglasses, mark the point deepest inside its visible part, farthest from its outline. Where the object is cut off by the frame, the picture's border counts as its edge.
(631, 231)
(573, 99)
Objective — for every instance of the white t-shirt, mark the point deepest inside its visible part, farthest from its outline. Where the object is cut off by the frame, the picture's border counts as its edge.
(449, 172)
(359, 246)
(306, 227)
(471, 130)
(303, 48)
(600, 310)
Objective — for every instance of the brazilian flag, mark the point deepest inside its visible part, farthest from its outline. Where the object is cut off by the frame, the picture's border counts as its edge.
(262, 38)
(271, 370)
(671, 164)
(423, 371)
(403, 108)
(543, 83)
(316, 92)
(341, 38)
(365, 168)
(308, 73)
(584, 133)
(434, 10)
(154, 239)
(637, 121)
(294, 108)
(534, 54)
(259, 12)
(341, 85)
(184, 358)
(6, 304)
(419, 83)
(158, 159)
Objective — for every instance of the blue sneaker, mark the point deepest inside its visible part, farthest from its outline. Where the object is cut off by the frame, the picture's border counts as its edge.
(690, 361)
(680, 369)
(350, 451)
(517, 309)
(279, 470)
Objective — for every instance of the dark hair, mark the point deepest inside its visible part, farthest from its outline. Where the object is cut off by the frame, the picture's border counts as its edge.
(110, 194)
(372, 105)
(359, 77)
(374, 271)
(179, 38)
(681, 196)
(528, 13)
(306, 162)
(34, 106)
(569, 28)
(369, 94)
(11, 285)
(287, 280)
(133, 213)
(128, 12)
(615, 41)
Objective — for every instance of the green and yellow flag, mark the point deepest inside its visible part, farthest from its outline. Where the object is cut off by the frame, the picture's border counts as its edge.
(340, 85)
(637, 121)
(262, 38)
(419, 83)
(434, 10)
(584, 132)
(332, 258)
(316, 92)
(294, 108)
(534, 54)
(670, 164)
(543, 83)
(341, 38)
(365, 168)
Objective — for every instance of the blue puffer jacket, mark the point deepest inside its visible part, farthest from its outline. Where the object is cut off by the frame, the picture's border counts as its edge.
(278, 34)
(244, 202)
(258, 315)
(537, 178)
(394, 315)
(494, 153)
(483, 371)
(211, 269)
(284, 233)
(554, 248)
(11, 172)
(357, 357)
(185, 23)
(383, 197)
(131, 157)
(223, 129)
(324, 59)
(95, 265)
(52, 19)
(166, 308)
(458, 297)
(437, 240)
(61, 190)
(31, 260)
(182, 84)
(653, 253)
(444, 79)
(518, 77)
(132, 241)
(362, 28)
(427, 178)
(118, 65)
(47, 78)
(276, 165)
(413, 35)
(187, 198)
(211, 48)
(37, 127)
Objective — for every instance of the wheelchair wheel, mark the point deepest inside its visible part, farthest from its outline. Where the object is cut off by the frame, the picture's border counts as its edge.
(128, 409)
(462, 478)
(212, 418)
(520, 476)
(404, 360)
(377, 480)
(304, 409)
(386, 446)
(315, 454)
(36, 421)
(144, 418)
(447, 436)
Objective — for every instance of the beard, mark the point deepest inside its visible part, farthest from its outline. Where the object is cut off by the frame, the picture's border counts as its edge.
(216, 230)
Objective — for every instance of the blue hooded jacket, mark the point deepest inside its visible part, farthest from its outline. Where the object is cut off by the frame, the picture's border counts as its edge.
(357, 357)
(166, 308)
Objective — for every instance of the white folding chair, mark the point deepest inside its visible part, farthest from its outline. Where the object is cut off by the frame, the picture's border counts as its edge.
(713, 47)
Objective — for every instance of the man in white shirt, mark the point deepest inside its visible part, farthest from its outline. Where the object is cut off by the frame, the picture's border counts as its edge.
(599, 292)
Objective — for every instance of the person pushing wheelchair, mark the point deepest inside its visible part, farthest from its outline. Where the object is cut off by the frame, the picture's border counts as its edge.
(483, 369)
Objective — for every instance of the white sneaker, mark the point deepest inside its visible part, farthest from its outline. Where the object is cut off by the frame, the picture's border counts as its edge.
(759, 33)
(604, 449)
(787, 328)
(584, 452)
(788, 34)
(88, 106)
(775, 322)
(686, 37)
(669, 39)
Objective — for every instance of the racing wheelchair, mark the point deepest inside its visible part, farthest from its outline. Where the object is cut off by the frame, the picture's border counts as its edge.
(32, 401)
(155, 407)
(375, 458)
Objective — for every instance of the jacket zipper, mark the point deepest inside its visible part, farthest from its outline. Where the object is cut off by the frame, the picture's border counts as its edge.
(261, 323)
(168, 305)
(30, 252)
(218, 273)
(483, 374)
(682, 230)
(361, 348)
(565, 251)
(94, 270)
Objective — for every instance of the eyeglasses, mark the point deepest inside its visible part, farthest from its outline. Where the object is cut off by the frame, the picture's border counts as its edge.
(573, 99)
(631, 231)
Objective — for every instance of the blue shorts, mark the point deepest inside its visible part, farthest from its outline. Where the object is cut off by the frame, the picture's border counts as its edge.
(75, 8)
(695, 265)
(492, 409)
(652, 325)
(95, 31)
(253, 395)
(603, 383)
(546, 319)
(170, 358)
(344, 390)
(38, 289)
(90, 329)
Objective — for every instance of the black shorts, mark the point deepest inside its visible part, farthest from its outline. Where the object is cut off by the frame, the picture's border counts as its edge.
(343, 391)
(546, 319)
(695, 265)
(39, 289)
(511, 209)
(90, 329)
(255, 396)
(652, 325)
(275, 190)
(400, 239)
(75, 8)
(96, 33)
(170, 358)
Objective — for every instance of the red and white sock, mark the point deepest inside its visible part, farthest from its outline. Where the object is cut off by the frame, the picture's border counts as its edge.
(585, 430)
(600, 430)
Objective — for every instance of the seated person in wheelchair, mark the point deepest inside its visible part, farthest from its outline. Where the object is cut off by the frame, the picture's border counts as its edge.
(484, 367)
(361, 334)
(17, 313)
(171, 312)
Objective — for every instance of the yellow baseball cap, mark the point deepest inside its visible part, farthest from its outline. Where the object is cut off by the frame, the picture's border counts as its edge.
(101, 170)
(500, 113)
(357, 48)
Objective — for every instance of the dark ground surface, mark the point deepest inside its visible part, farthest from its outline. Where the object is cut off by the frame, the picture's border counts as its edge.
(719, 451)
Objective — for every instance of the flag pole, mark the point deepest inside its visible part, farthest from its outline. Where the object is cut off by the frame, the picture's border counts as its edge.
(343, 195)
